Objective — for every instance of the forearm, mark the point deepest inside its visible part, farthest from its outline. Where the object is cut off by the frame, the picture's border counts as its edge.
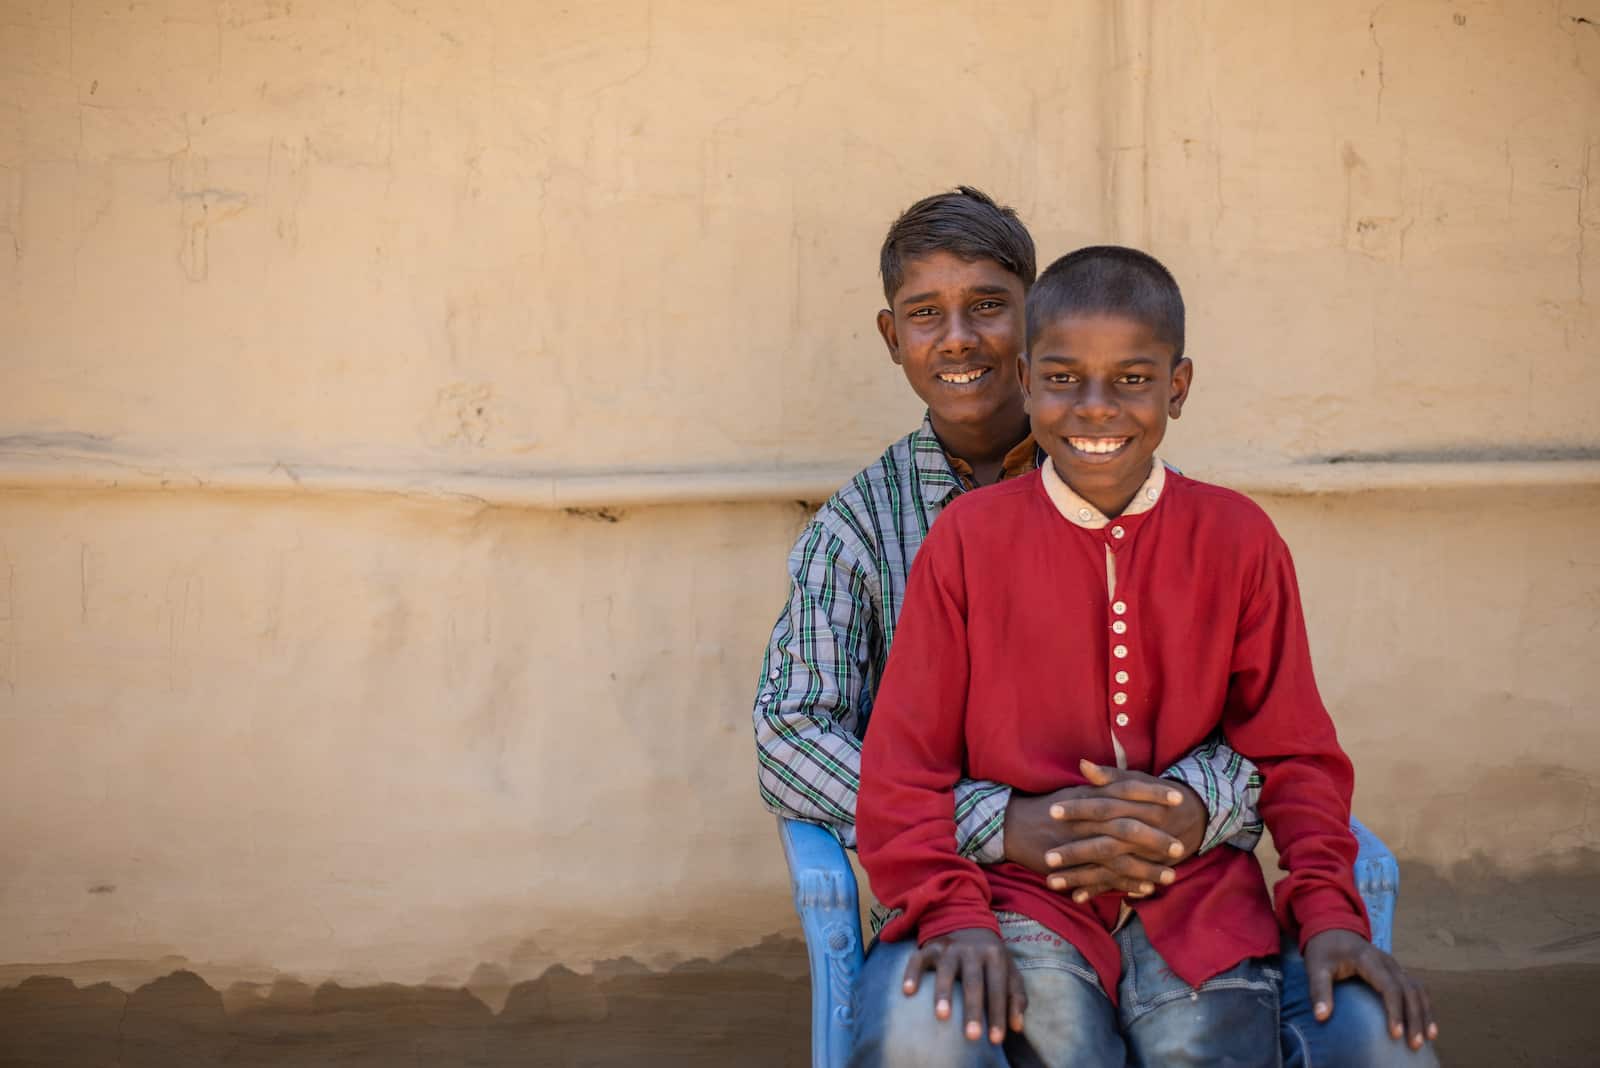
(808, 772)
(1306, 805)
(1276, 718)
(816, 669)
(908, 844)
(912, 760)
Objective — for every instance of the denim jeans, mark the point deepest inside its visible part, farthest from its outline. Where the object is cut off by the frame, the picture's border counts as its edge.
(1231, 1019)
(892, 1029)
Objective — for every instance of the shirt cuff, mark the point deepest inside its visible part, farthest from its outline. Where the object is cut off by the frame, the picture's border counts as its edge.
(948, 919)
(1326, 909)
(981, 820)
(1226, 800)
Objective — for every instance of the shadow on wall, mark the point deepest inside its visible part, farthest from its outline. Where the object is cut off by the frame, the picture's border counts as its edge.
(747, 1008)
(737, 1011)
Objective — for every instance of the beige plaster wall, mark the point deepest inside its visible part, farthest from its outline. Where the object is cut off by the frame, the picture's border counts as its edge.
(395, 737)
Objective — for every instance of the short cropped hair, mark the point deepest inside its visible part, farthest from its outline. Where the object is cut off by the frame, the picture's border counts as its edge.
(1109, 280)
(966, 223)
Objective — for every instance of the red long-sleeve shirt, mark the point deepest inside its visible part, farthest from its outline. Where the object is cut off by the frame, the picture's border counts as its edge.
(1035, 632)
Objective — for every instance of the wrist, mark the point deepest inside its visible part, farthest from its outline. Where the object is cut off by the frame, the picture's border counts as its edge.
(1194, 817)
(1022, 811)
(1007, 827)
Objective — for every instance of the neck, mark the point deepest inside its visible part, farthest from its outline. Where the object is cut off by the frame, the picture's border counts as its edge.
(1111, 500)
(984, 446)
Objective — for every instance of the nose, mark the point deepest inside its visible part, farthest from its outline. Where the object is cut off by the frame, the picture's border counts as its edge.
(959, 336)
(1095, 403)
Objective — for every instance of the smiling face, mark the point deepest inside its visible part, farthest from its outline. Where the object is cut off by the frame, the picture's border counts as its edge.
(1100, 389)
(956, 331)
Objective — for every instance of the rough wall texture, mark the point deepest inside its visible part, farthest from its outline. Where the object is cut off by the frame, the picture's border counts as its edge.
(372, 739)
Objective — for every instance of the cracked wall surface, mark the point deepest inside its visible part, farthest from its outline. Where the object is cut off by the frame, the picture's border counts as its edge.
(304, 738)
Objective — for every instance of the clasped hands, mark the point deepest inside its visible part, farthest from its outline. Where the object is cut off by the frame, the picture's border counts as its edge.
(1123, 831)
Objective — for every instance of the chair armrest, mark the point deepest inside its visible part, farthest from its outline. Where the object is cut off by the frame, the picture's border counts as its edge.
(825, 897)
(1378, 879)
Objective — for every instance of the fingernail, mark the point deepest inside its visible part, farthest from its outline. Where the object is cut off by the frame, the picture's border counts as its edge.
(1056, 812)
(1058, 884)
(909, 987)
(1433, 1030)
(941, 1009)
(1174, 797)
(1167, 877)
(1396, 1030)
(996, 1035)
(974, 1029)
(1147, 888)
(1321, 1009)
(1081, 896)
(1052, 859)
(1416, 1041)
(1175, 849)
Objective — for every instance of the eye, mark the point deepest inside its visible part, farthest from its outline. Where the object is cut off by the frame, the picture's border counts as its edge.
(988, 305)
(1135, 380)
(919, 313)
(1062, 378)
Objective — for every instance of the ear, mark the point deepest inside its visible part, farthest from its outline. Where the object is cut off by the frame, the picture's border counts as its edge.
(1182, 379)
(891, 337)
(1024, 373)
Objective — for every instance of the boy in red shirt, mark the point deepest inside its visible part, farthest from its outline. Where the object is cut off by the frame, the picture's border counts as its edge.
(1107, 609)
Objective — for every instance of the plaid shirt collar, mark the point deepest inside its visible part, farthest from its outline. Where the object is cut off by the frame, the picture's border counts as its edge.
(934, 476)
(939, 480)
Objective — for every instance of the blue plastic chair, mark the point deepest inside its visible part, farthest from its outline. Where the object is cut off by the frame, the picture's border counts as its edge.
(825, 896)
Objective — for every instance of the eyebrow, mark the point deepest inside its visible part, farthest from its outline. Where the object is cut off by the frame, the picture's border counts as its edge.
(1064, 357)
(977, 291)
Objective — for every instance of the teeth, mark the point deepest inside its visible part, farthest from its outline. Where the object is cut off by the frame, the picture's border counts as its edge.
(964, 377)
(1097, 445)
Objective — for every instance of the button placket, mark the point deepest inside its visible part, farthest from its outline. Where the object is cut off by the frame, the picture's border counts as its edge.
(1119, 652)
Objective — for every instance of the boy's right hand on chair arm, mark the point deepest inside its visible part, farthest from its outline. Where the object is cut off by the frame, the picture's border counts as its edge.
(991, 985)
(1334, 955)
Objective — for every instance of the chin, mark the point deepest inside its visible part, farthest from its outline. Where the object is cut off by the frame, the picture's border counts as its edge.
(973, 413)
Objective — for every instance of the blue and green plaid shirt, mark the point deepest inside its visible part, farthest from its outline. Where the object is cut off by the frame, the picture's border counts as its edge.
(847, 580)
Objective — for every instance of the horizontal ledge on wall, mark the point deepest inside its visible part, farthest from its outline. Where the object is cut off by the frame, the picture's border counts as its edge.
(619, 489)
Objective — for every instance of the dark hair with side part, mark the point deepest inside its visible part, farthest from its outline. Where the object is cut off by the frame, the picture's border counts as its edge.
(966, 223)
(1109, 280)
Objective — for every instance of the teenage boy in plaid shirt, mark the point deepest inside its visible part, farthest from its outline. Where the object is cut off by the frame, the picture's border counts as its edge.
(956, 268)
